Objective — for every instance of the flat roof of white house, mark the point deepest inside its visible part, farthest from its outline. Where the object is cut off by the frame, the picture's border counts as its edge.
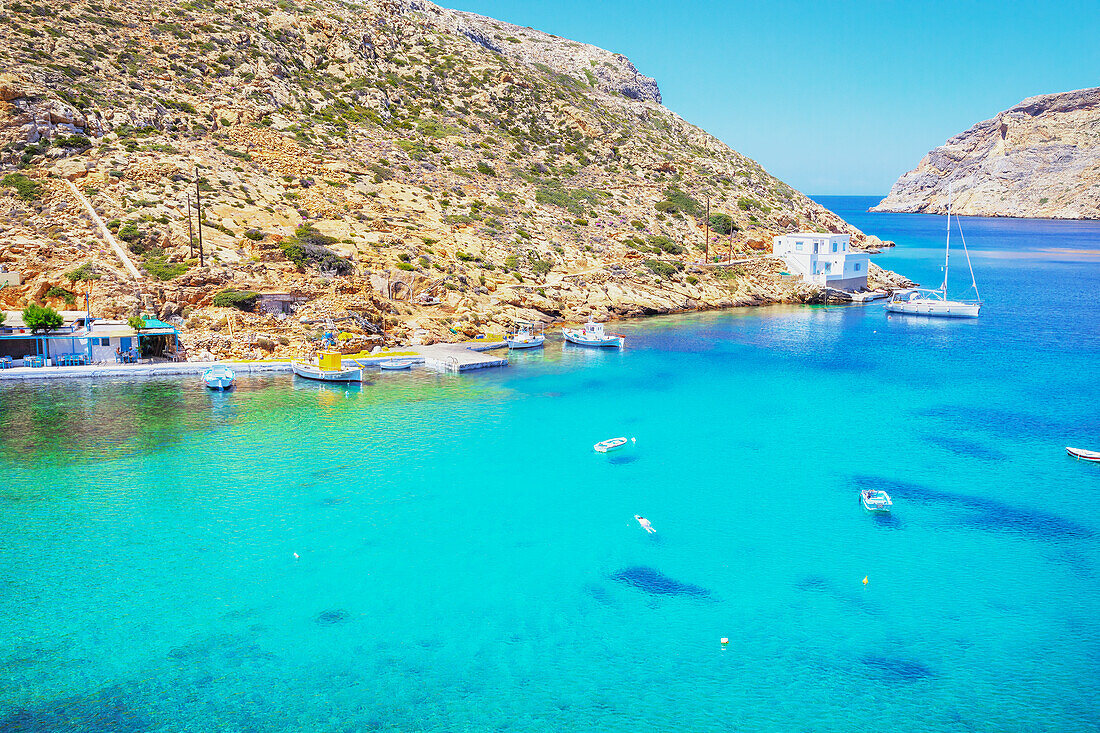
(14, 319)
(815, 234)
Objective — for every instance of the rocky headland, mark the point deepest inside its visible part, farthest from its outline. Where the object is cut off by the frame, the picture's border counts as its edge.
(1039, 159)
(401, 171)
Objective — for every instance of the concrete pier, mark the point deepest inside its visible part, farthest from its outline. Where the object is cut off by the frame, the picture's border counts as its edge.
(166, 369)
(461, 357)
(441, 357)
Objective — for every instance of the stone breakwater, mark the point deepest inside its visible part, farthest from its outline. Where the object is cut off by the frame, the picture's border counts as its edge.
(1038, 159)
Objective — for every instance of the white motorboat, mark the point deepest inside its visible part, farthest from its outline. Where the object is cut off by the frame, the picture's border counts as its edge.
(329, 368)
(218, 377)
(1084, 455)
(395, 364)
(526, 336)
(922, 302)
(593, 334)
(610, 444)
(875, 500)
(312, 371)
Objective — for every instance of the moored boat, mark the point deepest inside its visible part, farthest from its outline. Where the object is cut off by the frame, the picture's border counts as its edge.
(395, 364)
(919, 302)
(593, 334)
(1081, 454)
(218, 377)
(923, 302)
(610, 444)
(525, 337)
(329, 368)
(875, 500)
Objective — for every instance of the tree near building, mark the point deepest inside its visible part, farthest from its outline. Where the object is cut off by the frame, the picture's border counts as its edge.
(41, 318)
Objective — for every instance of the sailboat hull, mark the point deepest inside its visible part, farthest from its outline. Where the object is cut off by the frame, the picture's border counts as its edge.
(940, 308)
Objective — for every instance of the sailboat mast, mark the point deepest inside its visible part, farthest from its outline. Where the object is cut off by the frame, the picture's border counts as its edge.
(947, 249)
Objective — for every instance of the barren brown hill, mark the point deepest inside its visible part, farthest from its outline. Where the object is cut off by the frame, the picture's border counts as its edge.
(367, 160)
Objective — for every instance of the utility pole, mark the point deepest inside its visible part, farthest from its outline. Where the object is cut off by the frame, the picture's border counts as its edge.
(198, 206)
(706, 256)
(190, 232)
(731, 238)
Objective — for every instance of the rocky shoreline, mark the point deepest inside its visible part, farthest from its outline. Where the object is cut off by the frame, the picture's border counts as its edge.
(396, 172)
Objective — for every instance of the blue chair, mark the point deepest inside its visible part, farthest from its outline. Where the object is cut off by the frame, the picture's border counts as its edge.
(5, 362)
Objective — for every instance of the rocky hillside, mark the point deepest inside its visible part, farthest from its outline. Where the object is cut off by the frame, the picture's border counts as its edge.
(402, 171)
(1038, 159)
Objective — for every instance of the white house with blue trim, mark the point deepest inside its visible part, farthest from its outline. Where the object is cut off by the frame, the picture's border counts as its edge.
(826, 260)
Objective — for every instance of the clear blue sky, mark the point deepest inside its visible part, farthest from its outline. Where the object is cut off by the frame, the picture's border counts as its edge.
(834, 98)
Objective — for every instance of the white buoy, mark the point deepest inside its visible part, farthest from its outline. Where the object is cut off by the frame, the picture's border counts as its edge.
(295, 555)
(633, 440)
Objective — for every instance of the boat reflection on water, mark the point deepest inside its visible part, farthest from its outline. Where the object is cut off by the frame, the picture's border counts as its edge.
(328, 392)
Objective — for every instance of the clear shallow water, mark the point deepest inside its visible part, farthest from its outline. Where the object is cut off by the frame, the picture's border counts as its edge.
(466, 562)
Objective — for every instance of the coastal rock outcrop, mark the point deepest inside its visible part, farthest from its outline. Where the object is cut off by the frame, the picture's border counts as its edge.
(1039, 159)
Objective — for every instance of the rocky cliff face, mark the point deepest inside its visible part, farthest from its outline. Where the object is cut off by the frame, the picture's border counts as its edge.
(1038, 159)
(402, 169)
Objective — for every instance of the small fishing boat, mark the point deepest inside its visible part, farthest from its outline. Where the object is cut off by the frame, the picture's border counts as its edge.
(610, 444)
(592, 334)
(329, 368)
(525, 337)
(218, 377)
(1081, 454)
(395, 364)
(875, 500)
(918, 302)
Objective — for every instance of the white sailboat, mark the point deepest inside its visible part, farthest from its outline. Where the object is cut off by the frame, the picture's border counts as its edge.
(920, 302)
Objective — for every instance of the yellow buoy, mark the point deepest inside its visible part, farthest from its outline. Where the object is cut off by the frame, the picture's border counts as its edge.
(865, 580)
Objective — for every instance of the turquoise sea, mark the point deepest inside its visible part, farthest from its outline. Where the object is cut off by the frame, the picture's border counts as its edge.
(447, 553)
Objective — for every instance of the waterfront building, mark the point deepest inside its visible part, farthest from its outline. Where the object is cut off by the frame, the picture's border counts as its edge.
(99, 340)
(823, 259)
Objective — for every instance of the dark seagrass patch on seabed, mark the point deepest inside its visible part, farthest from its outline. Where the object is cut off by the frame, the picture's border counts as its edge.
(894, 669)
(824, 586)
(965, 447)
(657, 583)
(332, 617)
(103, 712)
(982, 512)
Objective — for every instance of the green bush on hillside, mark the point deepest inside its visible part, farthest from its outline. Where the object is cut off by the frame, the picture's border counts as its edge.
(244, 300)
(722, 223)
(663, 269)
(58, 292)
(659, 242)
(25, 188)
(135, 322)
(574, 200)
(677, 202)
(83, 273)
(310, 247)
